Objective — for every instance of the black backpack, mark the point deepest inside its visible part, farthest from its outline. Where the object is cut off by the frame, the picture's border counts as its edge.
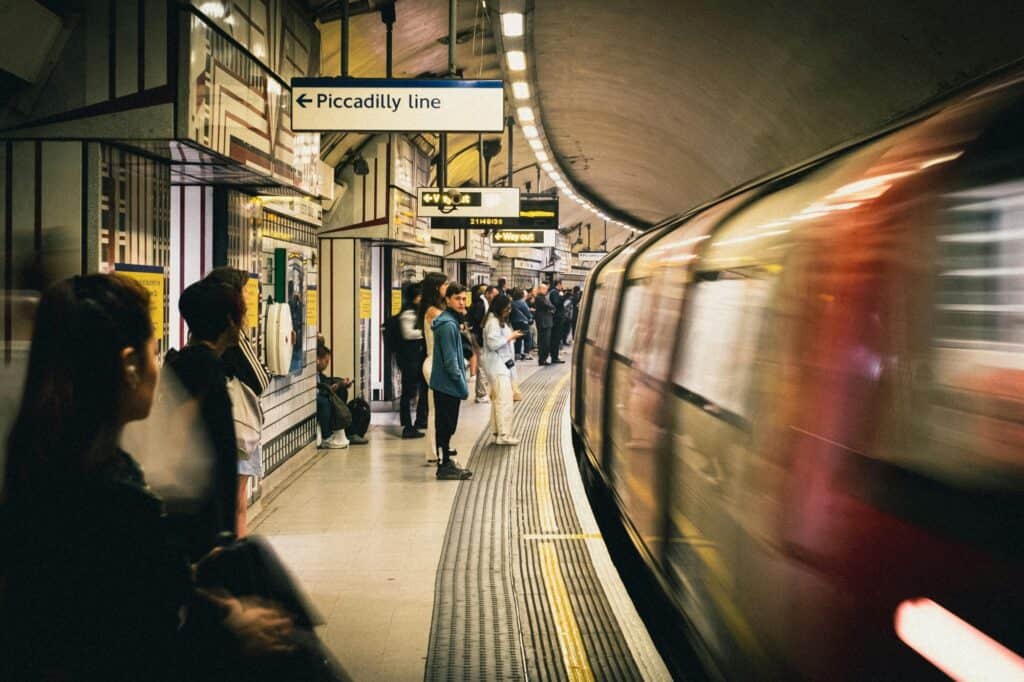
(360, 410)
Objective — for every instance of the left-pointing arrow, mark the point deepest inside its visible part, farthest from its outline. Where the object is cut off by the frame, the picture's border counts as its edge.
(303, 100)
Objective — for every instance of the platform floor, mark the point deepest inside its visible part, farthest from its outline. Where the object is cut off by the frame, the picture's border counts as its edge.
(425, 579)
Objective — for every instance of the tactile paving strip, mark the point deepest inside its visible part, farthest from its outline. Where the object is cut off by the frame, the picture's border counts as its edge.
(515, 573)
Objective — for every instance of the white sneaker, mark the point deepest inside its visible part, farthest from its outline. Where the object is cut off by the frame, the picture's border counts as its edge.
(507, 440)
(483, 400)
(337, 441)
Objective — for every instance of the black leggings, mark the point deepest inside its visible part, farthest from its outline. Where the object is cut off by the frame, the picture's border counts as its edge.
(446, 420)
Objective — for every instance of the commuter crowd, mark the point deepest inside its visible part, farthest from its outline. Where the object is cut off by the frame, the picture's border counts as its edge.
(109, 578)
(445, 336)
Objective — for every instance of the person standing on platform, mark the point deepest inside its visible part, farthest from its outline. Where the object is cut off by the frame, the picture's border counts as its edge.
(432, 304)
(410, 355)
(520, 321)
(557, 299)
(502, 286)
(242, 364)
(448, 380)
(475, 318)
(544, 316)
(498, 339)
(213, 312)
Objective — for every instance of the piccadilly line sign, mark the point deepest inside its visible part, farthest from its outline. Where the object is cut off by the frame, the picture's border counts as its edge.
(397, 105)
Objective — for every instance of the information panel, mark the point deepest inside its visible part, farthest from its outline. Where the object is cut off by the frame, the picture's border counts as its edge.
(536, 212)
(468, 202)
(522, 238)
(395, 105)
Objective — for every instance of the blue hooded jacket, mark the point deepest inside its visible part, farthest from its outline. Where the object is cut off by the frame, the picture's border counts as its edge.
(448, 372)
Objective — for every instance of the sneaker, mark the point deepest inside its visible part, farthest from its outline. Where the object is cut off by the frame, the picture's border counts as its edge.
(507, 440)
(483, 400)
(358, 440)
(337, 441)
(409, 432)
(450, 472)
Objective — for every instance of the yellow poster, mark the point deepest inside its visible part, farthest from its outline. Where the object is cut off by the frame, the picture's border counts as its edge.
(312, 312)
(252, 302)
(396, 301)
(152, 280)
(365, 304)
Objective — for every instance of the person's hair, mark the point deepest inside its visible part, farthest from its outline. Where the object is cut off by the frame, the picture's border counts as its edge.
(228, 275)
(207, 305)
(555, 283)
(322, 350)
(500, 303)
(431, 295)
(72, 396)
(489, 287)
(453, 289)
(501, 282)
(409, 293)
(518, 294)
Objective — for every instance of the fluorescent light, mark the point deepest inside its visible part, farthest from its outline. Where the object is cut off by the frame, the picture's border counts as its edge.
(536, 145)
(512, 24)
(547, 167)
(555, 177)
(530, 132)
(516, 60)
(542, 156)
(525, 114)
(521, 90)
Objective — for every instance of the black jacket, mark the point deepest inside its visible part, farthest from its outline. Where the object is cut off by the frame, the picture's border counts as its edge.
(475, 319)
(557, 299)
(202, 375)
(544, 312)
(93, 586)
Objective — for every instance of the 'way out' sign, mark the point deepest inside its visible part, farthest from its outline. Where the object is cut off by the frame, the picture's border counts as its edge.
(383, 105)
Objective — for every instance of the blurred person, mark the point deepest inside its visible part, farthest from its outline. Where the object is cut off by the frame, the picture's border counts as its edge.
(544, 315)
(410, 354)
(448, 380)
(530, 342)
(94, 587)
(213, 312)
(502, 286)
(432, 303)
(242, 365)
(482, 295)
(328, 411)
(498, 339)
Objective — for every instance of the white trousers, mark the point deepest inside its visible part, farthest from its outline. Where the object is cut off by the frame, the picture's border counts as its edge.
(501, 406)
(430, 442)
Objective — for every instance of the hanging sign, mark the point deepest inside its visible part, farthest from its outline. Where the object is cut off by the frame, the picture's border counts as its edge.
(591, 256)
(152, 279)
(467, 202)
(536, 212)
(522, 238)
(397, 105)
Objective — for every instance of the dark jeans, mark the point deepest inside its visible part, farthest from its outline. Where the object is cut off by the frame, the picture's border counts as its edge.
(446, 420)
(323, 414)
(413, 386)
(544, 344)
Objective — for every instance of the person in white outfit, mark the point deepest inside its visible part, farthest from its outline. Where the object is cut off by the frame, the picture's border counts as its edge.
(432, 304)
(499, 361)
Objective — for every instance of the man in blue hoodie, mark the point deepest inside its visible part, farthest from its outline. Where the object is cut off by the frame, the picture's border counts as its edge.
(448, 380)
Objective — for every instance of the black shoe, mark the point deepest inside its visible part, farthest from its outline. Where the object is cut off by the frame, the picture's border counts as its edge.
(419, 427)
(450, 472)
(409, 432)
(543, 363)
(558, 362)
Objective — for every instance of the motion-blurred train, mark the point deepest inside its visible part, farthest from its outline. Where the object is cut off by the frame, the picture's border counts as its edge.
(807, 402)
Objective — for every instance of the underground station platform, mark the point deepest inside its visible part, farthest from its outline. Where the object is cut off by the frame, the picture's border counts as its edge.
(504, 576)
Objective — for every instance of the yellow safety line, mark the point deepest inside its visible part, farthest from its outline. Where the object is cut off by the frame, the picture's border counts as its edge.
(562, 536)
(569, 640)
(541, 479)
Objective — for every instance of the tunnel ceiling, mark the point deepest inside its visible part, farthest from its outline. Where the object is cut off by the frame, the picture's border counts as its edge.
(655, 107)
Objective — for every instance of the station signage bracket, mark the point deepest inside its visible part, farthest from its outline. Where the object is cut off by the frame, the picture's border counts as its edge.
(397, 105)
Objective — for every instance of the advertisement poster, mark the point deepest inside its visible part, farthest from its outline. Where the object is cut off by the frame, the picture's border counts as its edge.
(365, 304)
(311, 305)
(152, 279)
(252, 301)
(295, 292)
